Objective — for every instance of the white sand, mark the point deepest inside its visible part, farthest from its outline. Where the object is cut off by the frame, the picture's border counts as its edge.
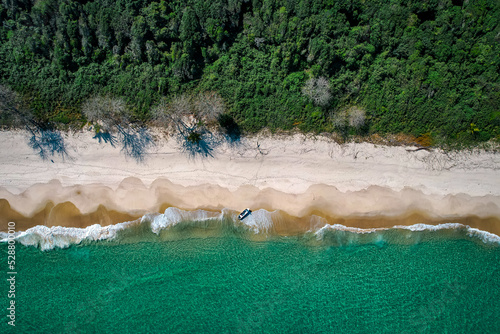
(296, 174)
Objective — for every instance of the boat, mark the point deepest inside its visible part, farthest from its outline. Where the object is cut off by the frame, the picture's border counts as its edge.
(245, 213)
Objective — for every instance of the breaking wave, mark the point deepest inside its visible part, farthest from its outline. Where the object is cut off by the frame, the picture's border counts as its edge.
(175, 223)
(341, 235)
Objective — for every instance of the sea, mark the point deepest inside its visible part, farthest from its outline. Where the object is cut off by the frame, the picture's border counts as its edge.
(207, 272)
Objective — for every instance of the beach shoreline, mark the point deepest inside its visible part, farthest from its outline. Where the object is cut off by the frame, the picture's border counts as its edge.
(361, 184)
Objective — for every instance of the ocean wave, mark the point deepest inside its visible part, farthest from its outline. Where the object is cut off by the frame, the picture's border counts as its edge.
(259, 222)
(174, 216)
(484, 236)
(337, 231)
(47, 238)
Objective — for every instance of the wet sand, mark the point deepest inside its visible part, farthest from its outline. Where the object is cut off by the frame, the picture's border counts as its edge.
(375, 207)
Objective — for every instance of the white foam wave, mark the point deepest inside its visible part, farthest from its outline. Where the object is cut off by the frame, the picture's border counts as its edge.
(339, 227)
(484, 236)
(47, 238)
(173, 216)
(62, 237)
(259, 220)
(427, 227)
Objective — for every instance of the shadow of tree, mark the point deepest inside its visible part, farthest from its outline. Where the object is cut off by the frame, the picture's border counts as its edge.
(47, 142)
(197, 141)
(44, 139)
(231, 129)
(105, 137)
(135, 141)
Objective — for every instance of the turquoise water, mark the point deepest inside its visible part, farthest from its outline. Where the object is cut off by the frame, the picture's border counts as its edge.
(228, 283)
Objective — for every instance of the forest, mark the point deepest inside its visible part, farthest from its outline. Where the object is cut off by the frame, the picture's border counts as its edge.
(426, 68)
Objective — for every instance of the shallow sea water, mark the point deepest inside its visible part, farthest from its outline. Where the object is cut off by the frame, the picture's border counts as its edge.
(225, 282)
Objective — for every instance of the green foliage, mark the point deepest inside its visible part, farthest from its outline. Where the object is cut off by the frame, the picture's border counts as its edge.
(194, 137)
(414, 67)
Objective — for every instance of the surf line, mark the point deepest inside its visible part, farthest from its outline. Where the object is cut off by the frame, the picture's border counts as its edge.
(11, 273)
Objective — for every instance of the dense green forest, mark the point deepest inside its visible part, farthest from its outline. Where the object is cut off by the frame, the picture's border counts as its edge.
(420, 67)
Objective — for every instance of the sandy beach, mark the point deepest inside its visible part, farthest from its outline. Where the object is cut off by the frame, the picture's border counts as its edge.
(358, 184)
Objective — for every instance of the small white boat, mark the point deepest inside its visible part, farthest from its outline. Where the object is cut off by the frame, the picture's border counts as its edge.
(244, 214)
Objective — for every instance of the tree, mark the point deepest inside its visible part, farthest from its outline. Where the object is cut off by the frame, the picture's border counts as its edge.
(111, 119)
(184, 111)
(44, 139)
(356, 117)
(12, 111)
(318, 90)
(209, 106)
(340, 119)
(174, 114)
(189, 118)
(105, 112)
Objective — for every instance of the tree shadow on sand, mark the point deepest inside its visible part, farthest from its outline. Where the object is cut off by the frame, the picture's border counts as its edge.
(197, 141)
(135, 141)
(231, 129)
(43, 137)
(47, 142)
(106, 137)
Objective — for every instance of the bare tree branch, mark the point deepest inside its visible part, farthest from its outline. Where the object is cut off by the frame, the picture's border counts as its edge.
(356, 117)
(106, 112)
(339, 119)
(209, 106)
(110, 116)
(318, 90)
